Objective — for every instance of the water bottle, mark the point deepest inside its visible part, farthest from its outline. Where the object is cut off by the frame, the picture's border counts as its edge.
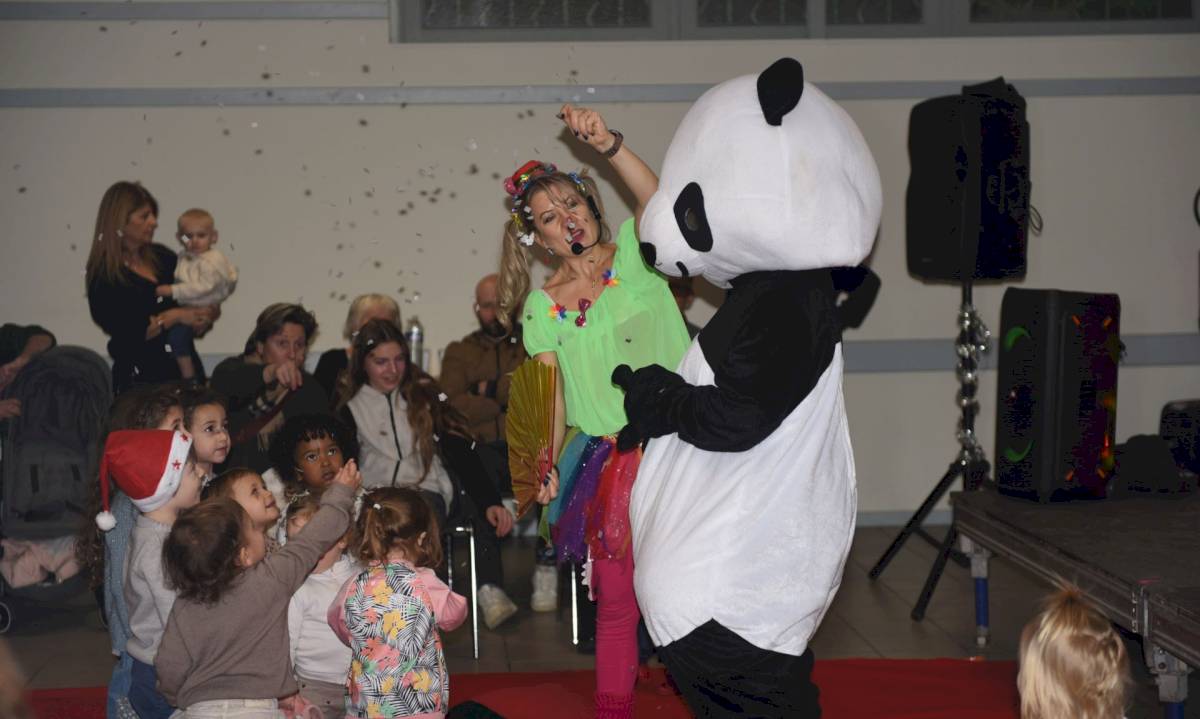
(416, 342)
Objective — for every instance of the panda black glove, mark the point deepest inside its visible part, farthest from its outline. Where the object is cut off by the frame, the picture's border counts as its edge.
(646, 402)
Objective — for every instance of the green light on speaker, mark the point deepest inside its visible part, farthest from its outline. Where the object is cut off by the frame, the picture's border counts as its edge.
(1014, 456)
(1014, 334)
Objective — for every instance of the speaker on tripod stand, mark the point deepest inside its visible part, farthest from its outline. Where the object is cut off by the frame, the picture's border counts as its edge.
(967, 219)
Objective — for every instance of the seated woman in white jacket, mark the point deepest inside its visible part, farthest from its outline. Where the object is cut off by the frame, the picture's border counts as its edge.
(409, 436)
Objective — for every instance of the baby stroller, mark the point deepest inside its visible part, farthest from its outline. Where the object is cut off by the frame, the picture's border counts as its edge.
(49, 458)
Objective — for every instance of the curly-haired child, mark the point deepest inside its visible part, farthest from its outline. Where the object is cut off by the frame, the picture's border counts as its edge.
(389, 615)
(1073, 663)
(225, 649)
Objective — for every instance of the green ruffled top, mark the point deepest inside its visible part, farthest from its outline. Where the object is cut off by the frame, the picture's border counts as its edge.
(634, 321)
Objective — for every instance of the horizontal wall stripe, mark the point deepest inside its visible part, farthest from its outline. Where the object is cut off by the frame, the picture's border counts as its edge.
(550, 94)
(937, 355)
(369, 9)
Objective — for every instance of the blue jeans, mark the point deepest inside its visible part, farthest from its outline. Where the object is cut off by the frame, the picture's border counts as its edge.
(118, 689)
(179, 339)
(143, 693)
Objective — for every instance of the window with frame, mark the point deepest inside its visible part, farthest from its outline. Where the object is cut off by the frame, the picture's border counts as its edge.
(587, 20)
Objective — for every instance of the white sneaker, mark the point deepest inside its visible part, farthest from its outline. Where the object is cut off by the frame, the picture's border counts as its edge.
(545, 589)
(495, 606)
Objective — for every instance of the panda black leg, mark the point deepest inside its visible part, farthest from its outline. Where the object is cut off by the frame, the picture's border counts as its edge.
(722, 675)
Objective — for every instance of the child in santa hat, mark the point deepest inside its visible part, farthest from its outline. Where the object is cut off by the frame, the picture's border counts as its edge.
(156, 469)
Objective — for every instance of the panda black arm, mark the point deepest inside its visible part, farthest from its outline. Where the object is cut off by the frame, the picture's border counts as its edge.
(767, 356)
(861, 286)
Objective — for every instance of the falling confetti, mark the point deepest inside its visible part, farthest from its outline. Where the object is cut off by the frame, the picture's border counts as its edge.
(308, 193)
(103, 28)
(254, 124)
(266, 76)
(366, 69)
(362, 121)
(473, 169)
(258, 151)
(495, 175)
(226, 132)
(340, 246)
(402, 212)
(377, 264)
(73, 247)
(21, 190)
(203, 43)
(178, 53)
(369, 194)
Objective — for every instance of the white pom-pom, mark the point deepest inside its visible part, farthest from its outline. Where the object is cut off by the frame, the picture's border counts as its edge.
(106, 521)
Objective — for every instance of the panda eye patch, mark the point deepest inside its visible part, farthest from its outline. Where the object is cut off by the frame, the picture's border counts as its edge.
(691, 218)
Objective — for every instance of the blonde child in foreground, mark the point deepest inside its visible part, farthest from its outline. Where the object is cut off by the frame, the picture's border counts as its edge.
(225, 649)
(320, 659)
(204, 277)
(1073, 664)
(390, 613)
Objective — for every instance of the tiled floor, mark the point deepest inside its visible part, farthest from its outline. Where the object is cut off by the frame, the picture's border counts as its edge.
(64, 645)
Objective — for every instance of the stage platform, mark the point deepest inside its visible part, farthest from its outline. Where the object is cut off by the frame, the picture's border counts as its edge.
(1137, 559)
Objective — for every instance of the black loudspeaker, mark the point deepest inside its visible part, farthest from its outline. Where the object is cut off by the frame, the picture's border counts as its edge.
(968, 191)
(1056, 394)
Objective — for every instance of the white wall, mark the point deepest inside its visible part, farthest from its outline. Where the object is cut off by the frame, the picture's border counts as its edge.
(1113, 177)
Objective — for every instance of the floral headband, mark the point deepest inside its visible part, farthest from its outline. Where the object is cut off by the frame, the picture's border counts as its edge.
(518, 183)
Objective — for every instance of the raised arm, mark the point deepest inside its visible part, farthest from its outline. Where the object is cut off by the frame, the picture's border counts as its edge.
(590, 128)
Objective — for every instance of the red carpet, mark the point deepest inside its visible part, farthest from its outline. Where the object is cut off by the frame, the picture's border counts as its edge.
(854, 688)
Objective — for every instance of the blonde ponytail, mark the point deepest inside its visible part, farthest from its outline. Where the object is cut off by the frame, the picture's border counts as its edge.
(514, 275)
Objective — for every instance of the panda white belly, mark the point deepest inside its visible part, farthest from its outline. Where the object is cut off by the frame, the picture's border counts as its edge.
(755, 540)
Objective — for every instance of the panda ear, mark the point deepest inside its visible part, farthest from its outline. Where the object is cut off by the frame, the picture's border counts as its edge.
(779, 89)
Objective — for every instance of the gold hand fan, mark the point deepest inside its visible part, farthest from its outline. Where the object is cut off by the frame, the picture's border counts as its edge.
(530, 430)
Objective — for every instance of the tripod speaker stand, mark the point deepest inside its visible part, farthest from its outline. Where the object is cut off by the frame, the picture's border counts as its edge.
(970, 464)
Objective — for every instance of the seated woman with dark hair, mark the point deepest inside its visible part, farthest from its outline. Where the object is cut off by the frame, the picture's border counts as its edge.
(267, 383)
(363, 309)
(410, 436)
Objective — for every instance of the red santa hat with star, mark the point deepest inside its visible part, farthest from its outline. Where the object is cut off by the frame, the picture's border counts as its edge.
(147, 464)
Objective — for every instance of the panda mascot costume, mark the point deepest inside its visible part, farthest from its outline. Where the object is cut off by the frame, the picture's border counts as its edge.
(744, 507)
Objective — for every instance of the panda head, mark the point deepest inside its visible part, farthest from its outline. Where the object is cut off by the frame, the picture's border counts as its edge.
(764, 173)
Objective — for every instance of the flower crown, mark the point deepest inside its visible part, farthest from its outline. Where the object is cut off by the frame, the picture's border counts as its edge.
(518, 183)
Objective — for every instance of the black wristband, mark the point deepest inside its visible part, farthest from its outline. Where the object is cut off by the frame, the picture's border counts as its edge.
(616, 143)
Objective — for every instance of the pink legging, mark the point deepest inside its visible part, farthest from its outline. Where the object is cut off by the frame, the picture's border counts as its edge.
(617, 618)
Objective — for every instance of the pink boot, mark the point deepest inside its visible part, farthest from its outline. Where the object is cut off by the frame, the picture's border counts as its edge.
(614, 706)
